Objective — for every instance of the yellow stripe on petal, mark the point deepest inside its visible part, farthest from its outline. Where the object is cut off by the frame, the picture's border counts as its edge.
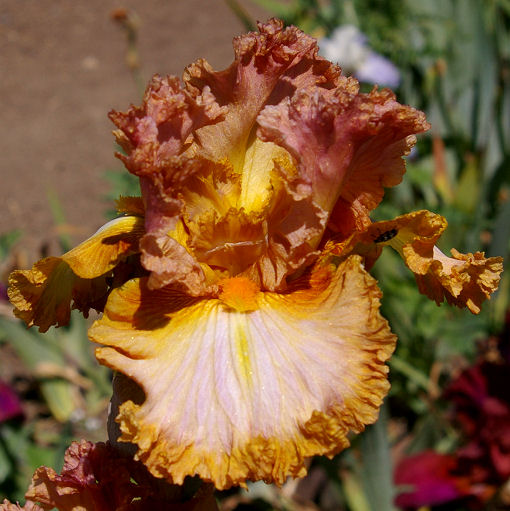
(259, 163)
(42, 296)
(234, 396)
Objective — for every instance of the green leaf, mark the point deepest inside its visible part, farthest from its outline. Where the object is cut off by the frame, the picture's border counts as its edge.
(467, 194)
(410, 372)
(38, 456)
(30, 346)
(500, 239)
(486, 76)
(59, 218)
(74, 342)
(377, 468)
(59, 397)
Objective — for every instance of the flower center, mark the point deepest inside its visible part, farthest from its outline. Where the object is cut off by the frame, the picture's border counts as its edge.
(239, 293)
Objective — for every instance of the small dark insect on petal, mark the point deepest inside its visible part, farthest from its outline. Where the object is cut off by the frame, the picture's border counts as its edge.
(386, 236)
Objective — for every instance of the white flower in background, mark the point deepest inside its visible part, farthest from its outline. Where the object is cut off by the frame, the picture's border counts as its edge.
(348, 46)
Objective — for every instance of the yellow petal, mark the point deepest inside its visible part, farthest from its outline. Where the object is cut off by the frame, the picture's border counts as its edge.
(259, 163)
(464, 280)
(42, 296)
(109, 245)
(233, 395)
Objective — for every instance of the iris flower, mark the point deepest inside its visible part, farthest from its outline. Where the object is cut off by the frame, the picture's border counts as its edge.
(95, 477)
(235, 291)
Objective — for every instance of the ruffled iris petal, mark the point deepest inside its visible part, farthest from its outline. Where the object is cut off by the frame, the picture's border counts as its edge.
(464, 280)
(348, 145)
(95, 477)
(233, 395)
(181, 136)
(42, 296)
(288, 143)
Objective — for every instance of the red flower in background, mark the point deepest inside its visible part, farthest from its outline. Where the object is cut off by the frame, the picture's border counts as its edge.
(481, 407)
(428, 479)
(10, 405)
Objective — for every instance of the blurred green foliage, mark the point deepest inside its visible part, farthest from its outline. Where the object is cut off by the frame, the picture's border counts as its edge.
(67, 392)
(7, 241)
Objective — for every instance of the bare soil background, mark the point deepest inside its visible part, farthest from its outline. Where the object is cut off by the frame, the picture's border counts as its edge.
(62, 68)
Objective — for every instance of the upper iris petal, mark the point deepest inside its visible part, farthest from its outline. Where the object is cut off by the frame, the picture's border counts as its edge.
(245, 168)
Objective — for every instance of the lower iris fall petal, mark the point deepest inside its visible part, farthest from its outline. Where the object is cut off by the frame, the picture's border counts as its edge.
(233, 395)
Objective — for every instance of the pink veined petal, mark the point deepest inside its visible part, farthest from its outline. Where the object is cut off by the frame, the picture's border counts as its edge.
(236, 395)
